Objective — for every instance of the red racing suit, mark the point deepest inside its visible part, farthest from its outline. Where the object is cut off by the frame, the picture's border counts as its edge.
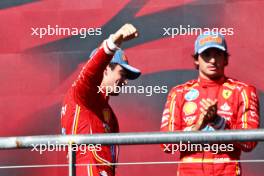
(86, 111)
(237, 108)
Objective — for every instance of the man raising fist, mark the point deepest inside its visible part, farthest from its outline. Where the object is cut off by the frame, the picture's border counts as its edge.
(86, 110)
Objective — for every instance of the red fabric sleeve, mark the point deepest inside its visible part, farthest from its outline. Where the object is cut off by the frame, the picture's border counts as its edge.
(171, 118)
(248, 115)
(91, 75)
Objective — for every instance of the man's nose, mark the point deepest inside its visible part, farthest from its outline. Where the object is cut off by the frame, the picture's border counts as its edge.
(212, 60)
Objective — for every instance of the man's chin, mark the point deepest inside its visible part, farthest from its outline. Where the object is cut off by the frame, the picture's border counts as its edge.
(215, 76)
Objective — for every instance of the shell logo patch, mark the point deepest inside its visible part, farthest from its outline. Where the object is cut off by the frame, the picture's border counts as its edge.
(226, 93)
(189, 108)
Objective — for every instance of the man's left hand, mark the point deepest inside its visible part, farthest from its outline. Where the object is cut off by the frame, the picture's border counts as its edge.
(208, 109)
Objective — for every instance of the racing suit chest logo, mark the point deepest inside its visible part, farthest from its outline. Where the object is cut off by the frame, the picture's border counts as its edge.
(107, 115)
(225, 107)
(226, 93)
(189, 120)
(193, 94)
(189, 108)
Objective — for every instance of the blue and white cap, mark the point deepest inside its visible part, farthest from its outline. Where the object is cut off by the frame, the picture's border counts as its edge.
(121, 59)
(209, 40)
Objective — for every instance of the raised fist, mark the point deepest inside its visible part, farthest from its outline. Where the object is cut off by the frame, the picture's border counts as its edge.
(125, 33)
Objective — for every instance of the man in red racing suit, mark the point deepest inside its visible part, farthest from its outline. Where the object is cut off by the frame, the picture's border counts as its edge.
(212, 102)
(86, 110)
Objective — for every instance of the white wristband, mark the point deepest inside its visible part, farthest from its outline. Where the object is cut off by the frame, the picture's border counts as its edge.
(111, 44)
(106, 48)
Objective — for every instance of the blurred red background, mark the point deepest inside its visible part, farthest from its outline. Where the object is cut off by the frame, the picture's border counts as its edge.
(36, 72)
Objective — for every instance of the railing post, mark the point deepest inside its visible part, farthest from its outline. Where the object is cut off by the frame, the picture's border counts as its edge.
(72, 160)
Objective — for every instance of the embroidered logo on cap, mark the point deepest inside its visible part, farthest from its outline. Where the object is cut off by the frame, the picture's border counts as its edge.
(209, 39)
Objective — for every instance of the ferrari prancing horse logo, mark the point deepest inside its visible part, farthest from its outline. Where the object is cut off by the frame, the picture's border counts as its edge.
(226, 93)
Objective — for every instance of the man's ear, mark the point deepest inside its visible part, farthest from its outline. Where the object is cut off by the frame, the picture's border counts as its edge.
(196, 63)
(106, 71)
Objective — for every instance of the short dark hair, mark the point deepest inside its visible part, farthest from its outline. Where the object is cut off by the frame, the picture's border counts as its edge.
(195, 57)
(112, 65)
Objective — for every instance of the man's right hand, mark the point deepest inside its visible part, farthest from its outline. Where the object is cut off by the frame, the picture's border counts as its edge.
(125, 33)
(208, 113)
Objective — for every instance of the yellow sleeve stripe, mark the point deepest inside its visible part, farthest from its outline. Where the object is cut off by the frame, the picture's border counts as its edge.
(172, 108)
(245, 109)
(90, 170)
(101, 160)
(237, 169)
(76, 118)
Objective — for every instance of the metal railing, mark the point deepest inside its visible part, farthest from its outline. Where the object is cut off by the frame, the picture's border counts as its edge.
(129, 139)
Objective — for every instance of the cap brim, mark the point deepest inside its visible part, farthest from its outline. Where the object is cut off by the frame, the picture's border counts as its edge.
(211, 46)
(132, 72)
